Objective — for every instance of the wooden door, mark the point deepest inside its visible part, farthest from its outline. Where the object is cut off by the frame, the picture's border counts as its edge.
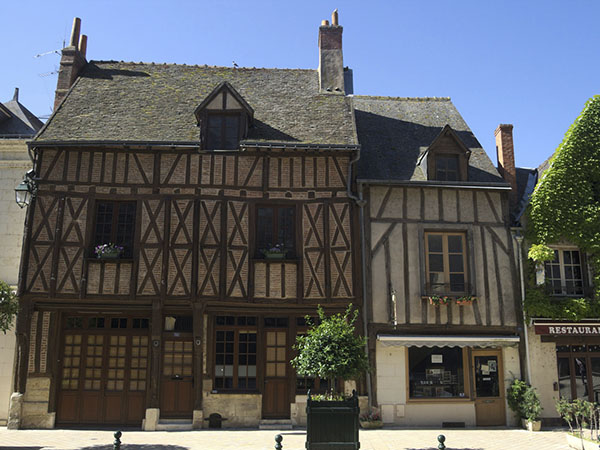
(489, 388)
(103, 379)
(177, 386)
(276, 402)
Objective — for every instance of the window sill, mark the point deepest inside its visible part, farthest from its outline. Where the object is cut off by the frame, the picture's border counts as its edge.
(441, 400)
(234, 391)
(275, 261)
(110, 260)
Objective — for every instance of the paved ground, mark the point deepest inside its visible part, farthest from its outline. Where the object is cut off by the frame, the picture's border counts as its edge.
(386, 439)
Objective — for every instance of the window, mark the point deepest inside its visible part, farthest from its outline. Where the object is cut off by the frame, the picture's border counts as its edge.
(579, 372)
(436, 372)
(223, 131)
(446, 168)
(235, 353)
(115, 224)
(445, 263)
(564, 273)
(276, 226)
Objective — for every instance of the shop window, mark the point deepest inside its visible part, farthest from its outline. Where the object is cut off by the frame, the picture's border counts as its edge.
(436, 372)
(564, 273)
(235, 353)
(276, 227)
(115, 224)
(445, 260)
(579, 372)
(118, 322)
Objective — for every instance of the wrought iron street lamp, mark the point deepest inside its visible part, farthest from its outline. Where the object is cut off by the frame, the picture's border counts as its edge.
(26, 190)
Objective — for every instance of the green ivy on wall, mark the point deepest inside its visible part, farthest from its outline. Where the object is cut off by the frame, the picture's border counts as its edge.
(565, 207)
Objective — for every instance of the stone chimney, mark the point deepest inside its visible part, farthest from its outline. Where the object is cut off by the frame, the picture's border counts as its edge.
(505, 151)
(71, 62)
(331, 62)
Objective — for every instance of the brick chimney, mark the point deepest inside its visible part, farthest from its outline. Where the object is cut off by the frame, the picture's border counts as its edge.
(71, 62)
(505, 151)
(331, 62)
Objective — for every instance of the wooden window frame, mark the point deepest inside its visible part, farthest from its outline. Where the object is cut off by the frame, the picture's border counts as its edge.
(572, 355)
(446, 260)
(293, 253)
(455, 156)
(563, 279)
(236, 341)
(208, 145)
(114, 225)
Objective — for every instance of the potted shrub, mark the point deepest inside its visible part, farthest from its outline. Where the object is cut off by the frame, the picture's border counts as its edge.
(276, 251)
(524, 401)
(371, 420)
(333, 351)
(108, 251)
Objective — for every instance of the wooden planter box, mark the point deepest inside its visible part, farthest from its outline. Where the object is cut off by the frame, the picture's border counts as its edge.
(332, 424)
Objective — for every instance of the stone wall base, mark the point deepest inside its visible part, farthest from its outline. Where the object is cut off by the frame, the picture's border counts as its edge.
(14, 411)
(151, 420)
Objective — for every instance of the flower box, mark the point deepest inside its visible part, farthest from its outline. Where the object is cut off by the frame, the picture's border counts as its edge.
(108, 251)
(439, 300)
(371, 424)
(466, 300)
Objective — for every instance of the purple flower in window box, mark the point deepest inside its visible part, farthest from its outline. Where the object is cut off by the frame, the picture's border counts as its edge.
(108, 251)
(276, 251)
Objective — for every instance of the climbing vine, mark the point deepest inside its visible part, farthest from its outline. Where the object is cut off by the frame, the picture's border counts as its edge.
(565, 207)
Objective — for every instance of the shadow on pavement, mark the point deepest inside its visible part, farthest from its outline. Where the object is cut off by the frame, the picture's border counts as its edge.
(12, 447)
(123, 447)
(447, 448)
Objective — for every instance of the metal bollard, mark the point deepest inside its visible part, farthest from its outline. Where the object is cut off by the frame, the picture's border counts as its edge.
(278, 440)
(117, 443)
(441, 440)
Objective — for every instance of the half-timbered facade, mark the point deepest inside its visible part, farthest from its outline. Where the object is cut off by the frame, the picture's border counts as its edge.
(226, 193)
(443, 317)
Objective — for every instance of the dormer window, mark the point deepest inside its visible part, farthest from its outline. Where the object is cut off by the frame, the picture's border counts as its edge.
(224, 118)
(223, 131)
(447, 158)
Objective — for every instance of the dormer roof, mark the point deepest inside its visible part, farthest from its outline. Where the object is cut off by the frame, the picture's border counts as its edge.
(224, 97)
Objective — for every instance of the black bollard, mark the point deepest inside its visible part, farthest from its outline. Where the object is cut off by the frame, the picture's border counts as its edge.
(117, 443)
(441, 440)
(278, 440)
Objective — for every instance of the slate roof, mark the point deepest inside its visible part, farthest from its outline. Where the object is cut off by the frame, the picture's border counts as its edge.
(394, 132)
(117, 101)
(18, 121)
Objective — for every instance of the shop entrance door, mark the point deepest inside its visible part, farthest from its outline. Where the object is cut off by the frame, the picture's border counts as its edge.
(276, 402)
(177, 386)
(489, 388)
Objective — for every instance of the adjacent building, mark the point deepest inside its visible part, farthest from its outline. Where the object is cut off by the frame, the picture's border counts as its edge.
(444, 322)
(17, 125)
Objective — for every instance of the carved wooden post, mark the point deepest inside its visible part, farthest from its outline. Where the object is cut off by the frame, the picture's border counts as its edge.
(22, 332)
(198, 316)
(156, 334)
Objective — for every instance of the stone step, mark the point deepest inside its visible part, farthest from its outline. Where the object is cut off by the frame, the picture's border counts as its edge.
(275, 424)
(174, 425)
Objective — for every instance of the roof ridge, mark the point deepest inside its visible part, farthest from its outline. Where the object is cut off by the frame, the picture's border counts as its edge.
(418, 99)
(201, 66)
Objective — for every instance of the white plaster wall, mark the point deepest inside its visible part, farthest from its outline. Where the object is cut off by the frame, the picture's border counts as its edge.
(544, 371)
(14, 162)
(512, 370)
(391, 374)
(7, 361)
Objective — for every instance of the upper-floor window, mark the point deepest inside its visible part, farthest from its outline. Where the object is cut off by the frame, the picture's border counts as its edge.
(445, 255)
(446, 168)
(115, 224)
(564, 273)
(223, 131)
(276, 227)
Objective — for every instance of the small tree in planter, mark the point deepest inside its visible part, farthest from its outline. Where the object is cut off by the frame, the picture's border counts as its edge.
(333, 351)
(525, 402)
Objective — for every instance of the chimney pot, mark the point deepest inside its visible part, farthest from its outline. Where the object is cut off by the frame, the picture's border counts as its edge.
(75, 32)
(16, 95)
(334, 18)
(505, 152)
(83, 45)
(324, 23)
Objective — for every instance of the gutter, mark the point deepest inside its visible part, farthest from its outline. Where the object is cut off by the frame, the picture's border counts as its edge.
(519, 238)
(360, 202)
(445, 184)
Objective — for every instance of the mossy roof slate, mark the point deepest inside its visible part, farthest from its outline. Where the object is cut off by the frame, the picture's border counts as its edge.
(117, 101)
(394, 132)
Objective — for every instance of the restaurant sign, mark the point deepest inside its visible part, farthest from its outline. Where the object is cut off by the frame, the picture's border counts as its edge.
(568, 329)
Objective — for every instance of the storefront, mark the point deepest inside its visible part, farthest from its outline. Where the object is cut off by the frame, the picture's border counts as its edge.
(445, 380)
(565, 360)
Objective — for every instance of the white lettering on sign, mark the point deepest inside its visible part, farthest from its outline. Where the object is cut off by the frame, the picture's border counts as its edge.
(569, 329)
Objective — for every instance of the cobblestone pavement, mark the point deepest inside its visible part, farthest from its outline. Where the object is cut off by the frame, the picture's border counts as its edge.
(386, 439)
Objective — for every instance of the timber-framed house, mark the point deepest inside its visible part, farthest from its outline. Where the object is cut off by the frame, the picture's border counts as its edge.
(227, 194)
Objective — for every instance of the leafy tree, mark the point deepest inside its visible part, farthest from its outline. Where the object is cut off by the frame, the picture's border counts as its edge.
(332, 349)
(9, 306)
(566, 206)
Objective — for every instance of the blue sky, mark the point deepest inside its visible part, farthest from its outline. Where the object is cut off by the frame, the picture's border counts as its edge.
(529, 63)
